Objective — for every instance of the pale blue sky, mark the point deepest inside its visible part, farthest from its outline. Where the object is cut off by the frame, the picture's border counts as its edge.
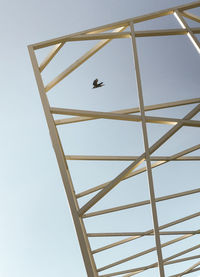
(37, 237)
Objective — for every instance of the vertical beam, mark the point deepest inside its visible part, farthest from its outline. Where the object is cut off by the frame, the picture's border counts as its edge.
(147, 154)
(78, 222)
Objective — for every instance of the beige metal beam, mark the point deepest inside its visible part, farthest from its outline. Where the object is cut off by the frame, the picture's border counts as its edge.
(126, 158)
(147, 155)
(100, 36)
(78, 222)
(63, 39)
(191, 16)
(130, 234)
(164, 32)
(141, 203)
(50, 56)
(125, 117)
(147, 33)
(126, 22)
(133, 110)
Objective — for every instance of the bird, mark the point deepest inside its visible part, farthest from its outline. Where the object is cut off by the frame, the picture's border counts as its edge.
(96, 85)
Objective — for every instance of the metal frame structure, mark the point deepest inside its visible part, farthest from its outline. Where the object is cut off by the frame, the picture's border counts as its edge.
(80, 213)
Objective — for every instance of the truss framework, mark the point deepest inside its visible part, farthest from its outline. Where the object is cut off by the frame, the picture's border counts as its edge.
(80, 213)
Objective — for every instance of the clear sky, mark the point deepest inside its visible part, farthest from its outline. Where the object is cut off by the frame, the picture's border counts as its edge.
(37, 236)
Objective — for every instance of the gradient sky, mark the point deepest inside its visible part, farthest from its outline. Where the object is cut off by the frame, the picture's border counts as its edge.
(37, 236)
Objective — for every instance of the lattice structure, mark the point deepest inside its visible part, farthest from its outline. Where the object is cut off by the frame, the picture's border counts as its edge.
(144, 163)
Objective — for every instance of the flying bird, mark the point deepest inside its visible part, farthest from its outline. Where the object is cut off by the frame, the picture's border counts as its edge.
(96, 85)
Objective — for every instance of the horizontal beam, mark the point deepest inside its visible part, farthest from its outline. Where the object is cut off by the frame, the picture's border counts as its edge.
(99, 36)
(141, 203)
(125, 117)
(166, 32)
(64, 39)
(126, 22)
(126, 158)
(128, 234)
(138, 34)
(146, 33)
(133, 110)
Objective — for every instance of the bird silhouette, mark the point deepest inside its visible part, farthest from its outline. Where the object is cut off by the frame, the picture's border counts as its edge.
(96, 85)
